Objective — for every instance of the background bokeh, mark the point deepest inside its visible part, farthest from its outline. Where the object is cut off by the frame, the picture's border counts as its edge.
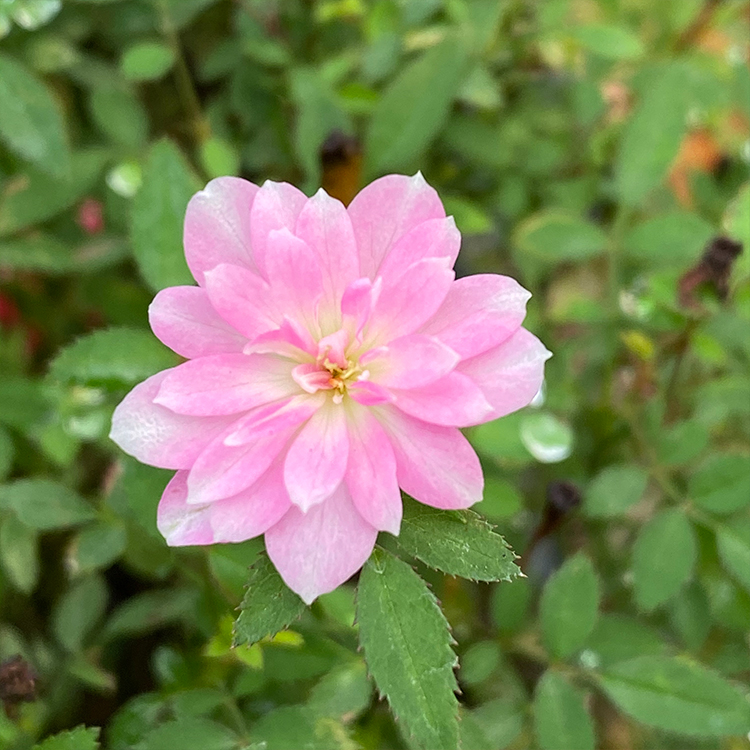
(597, 150)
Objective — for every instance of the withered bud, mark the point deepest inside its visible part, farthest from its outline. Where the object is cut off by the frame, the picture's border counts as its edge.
(714, 268)
(17, 682)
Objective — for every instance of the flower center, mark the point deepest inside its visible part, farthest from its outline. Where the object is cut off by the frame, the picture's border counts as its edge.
(341, 377)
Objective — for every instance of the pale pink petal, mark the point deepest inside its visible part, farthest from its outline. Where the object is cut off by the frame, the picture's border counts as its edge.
(435, 465)
(217, 226)
(511, 374)
(316, 462)
(157, 436)
(311, 378)
(369, 394)
(179, 523)
(385, 211)
(315, 552)
(243, 299)
(226, 384)
(222, 470)
(333, 347)
(277, 205)
(292, 340)
(454, 400)
(358, 303)
(183, 318)
(479, 313)
(411, 301)
(436, 238)
(412, 361)
(254, 510)
(325, 226)
(371, 473)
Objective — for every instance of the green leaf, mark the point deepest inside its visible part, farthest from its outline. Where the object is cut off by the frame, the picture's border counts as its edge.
(678, 696)
(664, 556)
(500, 722)
(618, 637)
(158, 214)
(32, 123)
(548, 438)
(23, 402)
(96, 547)
(146, 61)
(79, 738)
(119, 114)
(49, 255)
(734, 549)
(7, 453)
(560, 716)
(45, 505)
(219, 157)
(612, 42)
(554, 237)
(19, 554)
(269, 604)
(690, 616)
(343, 693)
(407, 646)
(191, 734)
(414, 107)
(78, 612)
(460, 543)
(112, 355)
(151, 610)
(722, 483)
(289, 727)
(614, 490)
(569, 606)
(652, 135)
(674, 240)
(736, 223)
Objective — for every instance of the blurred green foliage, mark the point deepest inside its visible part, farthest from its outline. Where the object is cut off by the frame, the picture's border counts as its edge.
(592, 149)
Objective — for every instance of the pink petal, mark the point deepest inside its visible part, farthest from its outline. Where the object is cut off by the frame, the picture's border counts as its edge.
(371, 473)
(217, 226)
(157, 436)
(222, 470)
(326, 227)
(243, 299)
(479, 313)
(412, 362)
(179, 523)
(226, 384)
(358, 303)
(385, 211)
(511, 374)
(316, 461)
(436, 238)
(411, 301)
(183, 318)
(310, 378)
(435, 465)
(291, 340)
(369, 394)
(315, 552)
(277, 205)
(333, 347)
(454, 400)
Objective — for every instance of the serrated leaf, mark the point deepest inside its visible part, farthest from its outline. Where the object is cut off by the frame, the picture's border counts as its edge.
(569, 606)
(31, 124)
(407, 645)
(158, 214)
(460, 543)
(664, 556)
(113, 355)
(678, 696)
(560, 716)
(18, 554)
(733, 540)
(44, 505)
(191, 734)
(722, 483)
(269, 604)
(614, 490)
(80, 738)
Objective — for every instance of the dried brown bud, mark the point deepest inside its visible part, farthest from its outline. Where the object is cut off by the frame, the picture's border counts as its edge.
(714, 269)
(17, 683)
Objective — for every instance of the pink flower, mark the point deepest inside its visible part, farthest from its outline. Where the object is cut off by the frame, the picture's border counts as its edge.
(332, 358)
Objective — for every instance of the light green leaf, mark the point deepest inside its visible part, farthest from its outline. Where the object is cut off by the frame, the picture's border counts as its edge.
(146, 61)
(569, 606)
(554, 237)
(479, 662)
(32, 123)
(78, 612)
(614, 490)
(23, 402)
(407, 646)
(45, 505)
(548, 438)
(49, 255)
(722, 483)
(500, 722)
(414, 108)
(690, 616)
(343, 693)
(734, 549)
(119, 114)
(96, 547)
(653, 135)
(151, 610)
(664, 556)
(19, 554)
(191, 734)
(219, 157)
(560, 716)
(677, 696)
(79, 738)
(113, 355)
(289, 727)
(158, 214)
(612, 42)
(736, 223)
(674, 240)
(460, 543)
(269, 604)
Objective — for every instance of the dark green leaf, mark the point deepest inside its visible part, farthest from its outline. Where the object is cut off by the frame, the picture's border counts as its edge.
(7, 453)
(460, 543)
(614, 490)
(733, 539)
(151, 610)
(269, 604)
(618, 637)
(120, 115)
(78, 612)
(722, 483)
(560, 716)
(343, 693)
(96, 546)
(191, 734)
(407, 645)
(19, 554)
(44, 505)
(79, 738)
(23, 402)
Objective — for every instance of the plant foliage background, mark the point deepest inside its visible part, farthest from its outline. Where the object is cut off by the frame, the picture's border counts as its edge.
(594, 150)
